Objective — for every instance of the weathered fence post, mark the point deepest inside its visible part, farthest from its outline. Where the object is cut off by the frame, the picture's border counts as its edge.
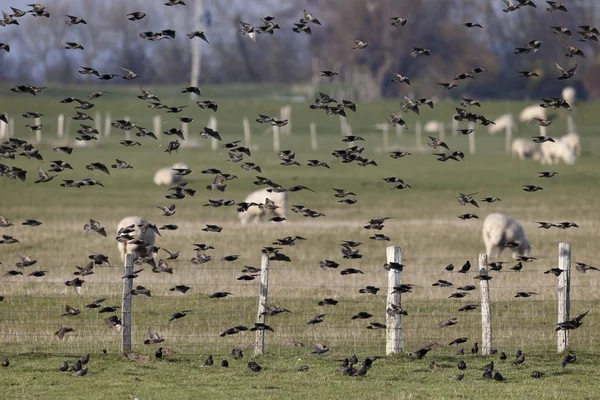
(156, 126)
(394, 337)
(60, 124)
(385, 129)
(247, 134)
(3, 127)
(107, 125)
(212, 124)
(486, 315)
(126, 306)
(313, 137)
(38, 133)
(127, 133)
(570, 123)
(263, 288)
(418, 133)
(442, 130)
(564, 292)
(543, 131)
(507, 138)
(276, 146)
(454, 127)
(471, 138)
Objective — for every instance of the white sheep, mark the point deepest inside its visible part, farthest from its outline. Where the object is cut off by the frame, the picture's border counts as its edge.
(523, 148)
(531, 112)
(502, 122)
(432, 127)
(569, 95)
(254, 213)
(498, 229)
(166, 176)
(138, 250)
(554, 152)
(573, 141)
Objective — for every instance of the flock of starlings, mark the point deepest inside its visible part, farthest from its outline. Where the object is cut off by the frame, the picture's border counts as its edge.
(236, 154)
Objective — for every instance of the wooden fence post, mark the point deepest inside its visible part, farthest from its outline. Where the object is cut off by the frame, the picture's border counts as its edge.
(418, 133)
(212, 124)
(156, 126)
(564, 292)
(385, 129)
(441, 130)
(276, 146)
(60, 125)
(471, 138)
(543, 131)
(259, 343)
(486, 315)
(107, 125)
(38, 133)
(313, 137)
(394, 336)
(507, 138)
(3, 128)
(126, 306)
(570, 123)
(247, 134)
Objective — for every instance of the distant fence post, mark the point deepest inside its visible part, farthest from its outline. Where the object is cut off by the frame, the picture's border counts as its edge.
(471, 138)
(507, 138)
(3, 127)
(385, 129)
(60, 124)
(107, 125)
(126, 306)
(38, 133)
(263, 288)
(313, 137)
(486, 315)
(442, 130)
(543, 131)
(212, 124)
(394, 336)
(247, 134)
(156, 126)
(564, 292)
(276, 146)
(570, 123)
(127, 133)
(454, 127)
(286, 113)
(418, 133)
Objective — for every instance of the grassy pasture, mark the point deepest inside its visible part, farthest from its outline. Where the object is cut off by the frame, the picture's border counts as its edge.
(425, 226)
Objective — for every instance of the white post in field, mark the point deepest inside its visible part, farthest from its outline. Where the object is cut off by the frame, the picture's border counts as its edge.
(60, 125)
(247, 133)
(314, 145)
(394, 334)
(212, 124)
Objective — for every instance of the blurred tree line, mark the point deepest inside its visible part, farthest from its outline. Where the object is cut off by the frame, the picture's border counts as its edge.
(111, 41)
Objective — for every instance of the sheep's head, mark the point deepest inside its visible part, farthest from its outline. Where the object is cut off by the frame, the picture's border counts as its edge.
(523, 250)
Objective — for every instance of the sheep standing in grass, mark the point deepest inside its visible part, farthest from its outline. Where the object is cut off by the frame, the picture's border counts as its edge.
(573, 142)
(554, 152)
(498, 229)
(254, 213)
(502, 122)
(523, 148)
(531, 112)
(148, 237)
(166, 176)
(569, 94)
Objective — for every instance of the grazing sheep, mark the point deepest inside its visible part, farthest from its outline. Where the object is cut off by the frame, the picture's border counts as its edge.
(138, 250)
(254, 214)
(498, 229)
(553, 153)
(502, 122)
(523, 148)
(432, 127)
(572, 141)
(166, 176)
(569, 95)
(531, 112)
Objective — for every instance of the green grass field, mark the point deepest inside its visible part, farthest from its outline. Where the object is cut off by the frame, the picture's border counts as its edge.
(425, 226)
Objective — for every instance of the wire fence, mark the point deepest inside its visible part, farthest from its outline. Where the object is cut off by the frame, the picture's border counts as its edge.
(355, 312)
